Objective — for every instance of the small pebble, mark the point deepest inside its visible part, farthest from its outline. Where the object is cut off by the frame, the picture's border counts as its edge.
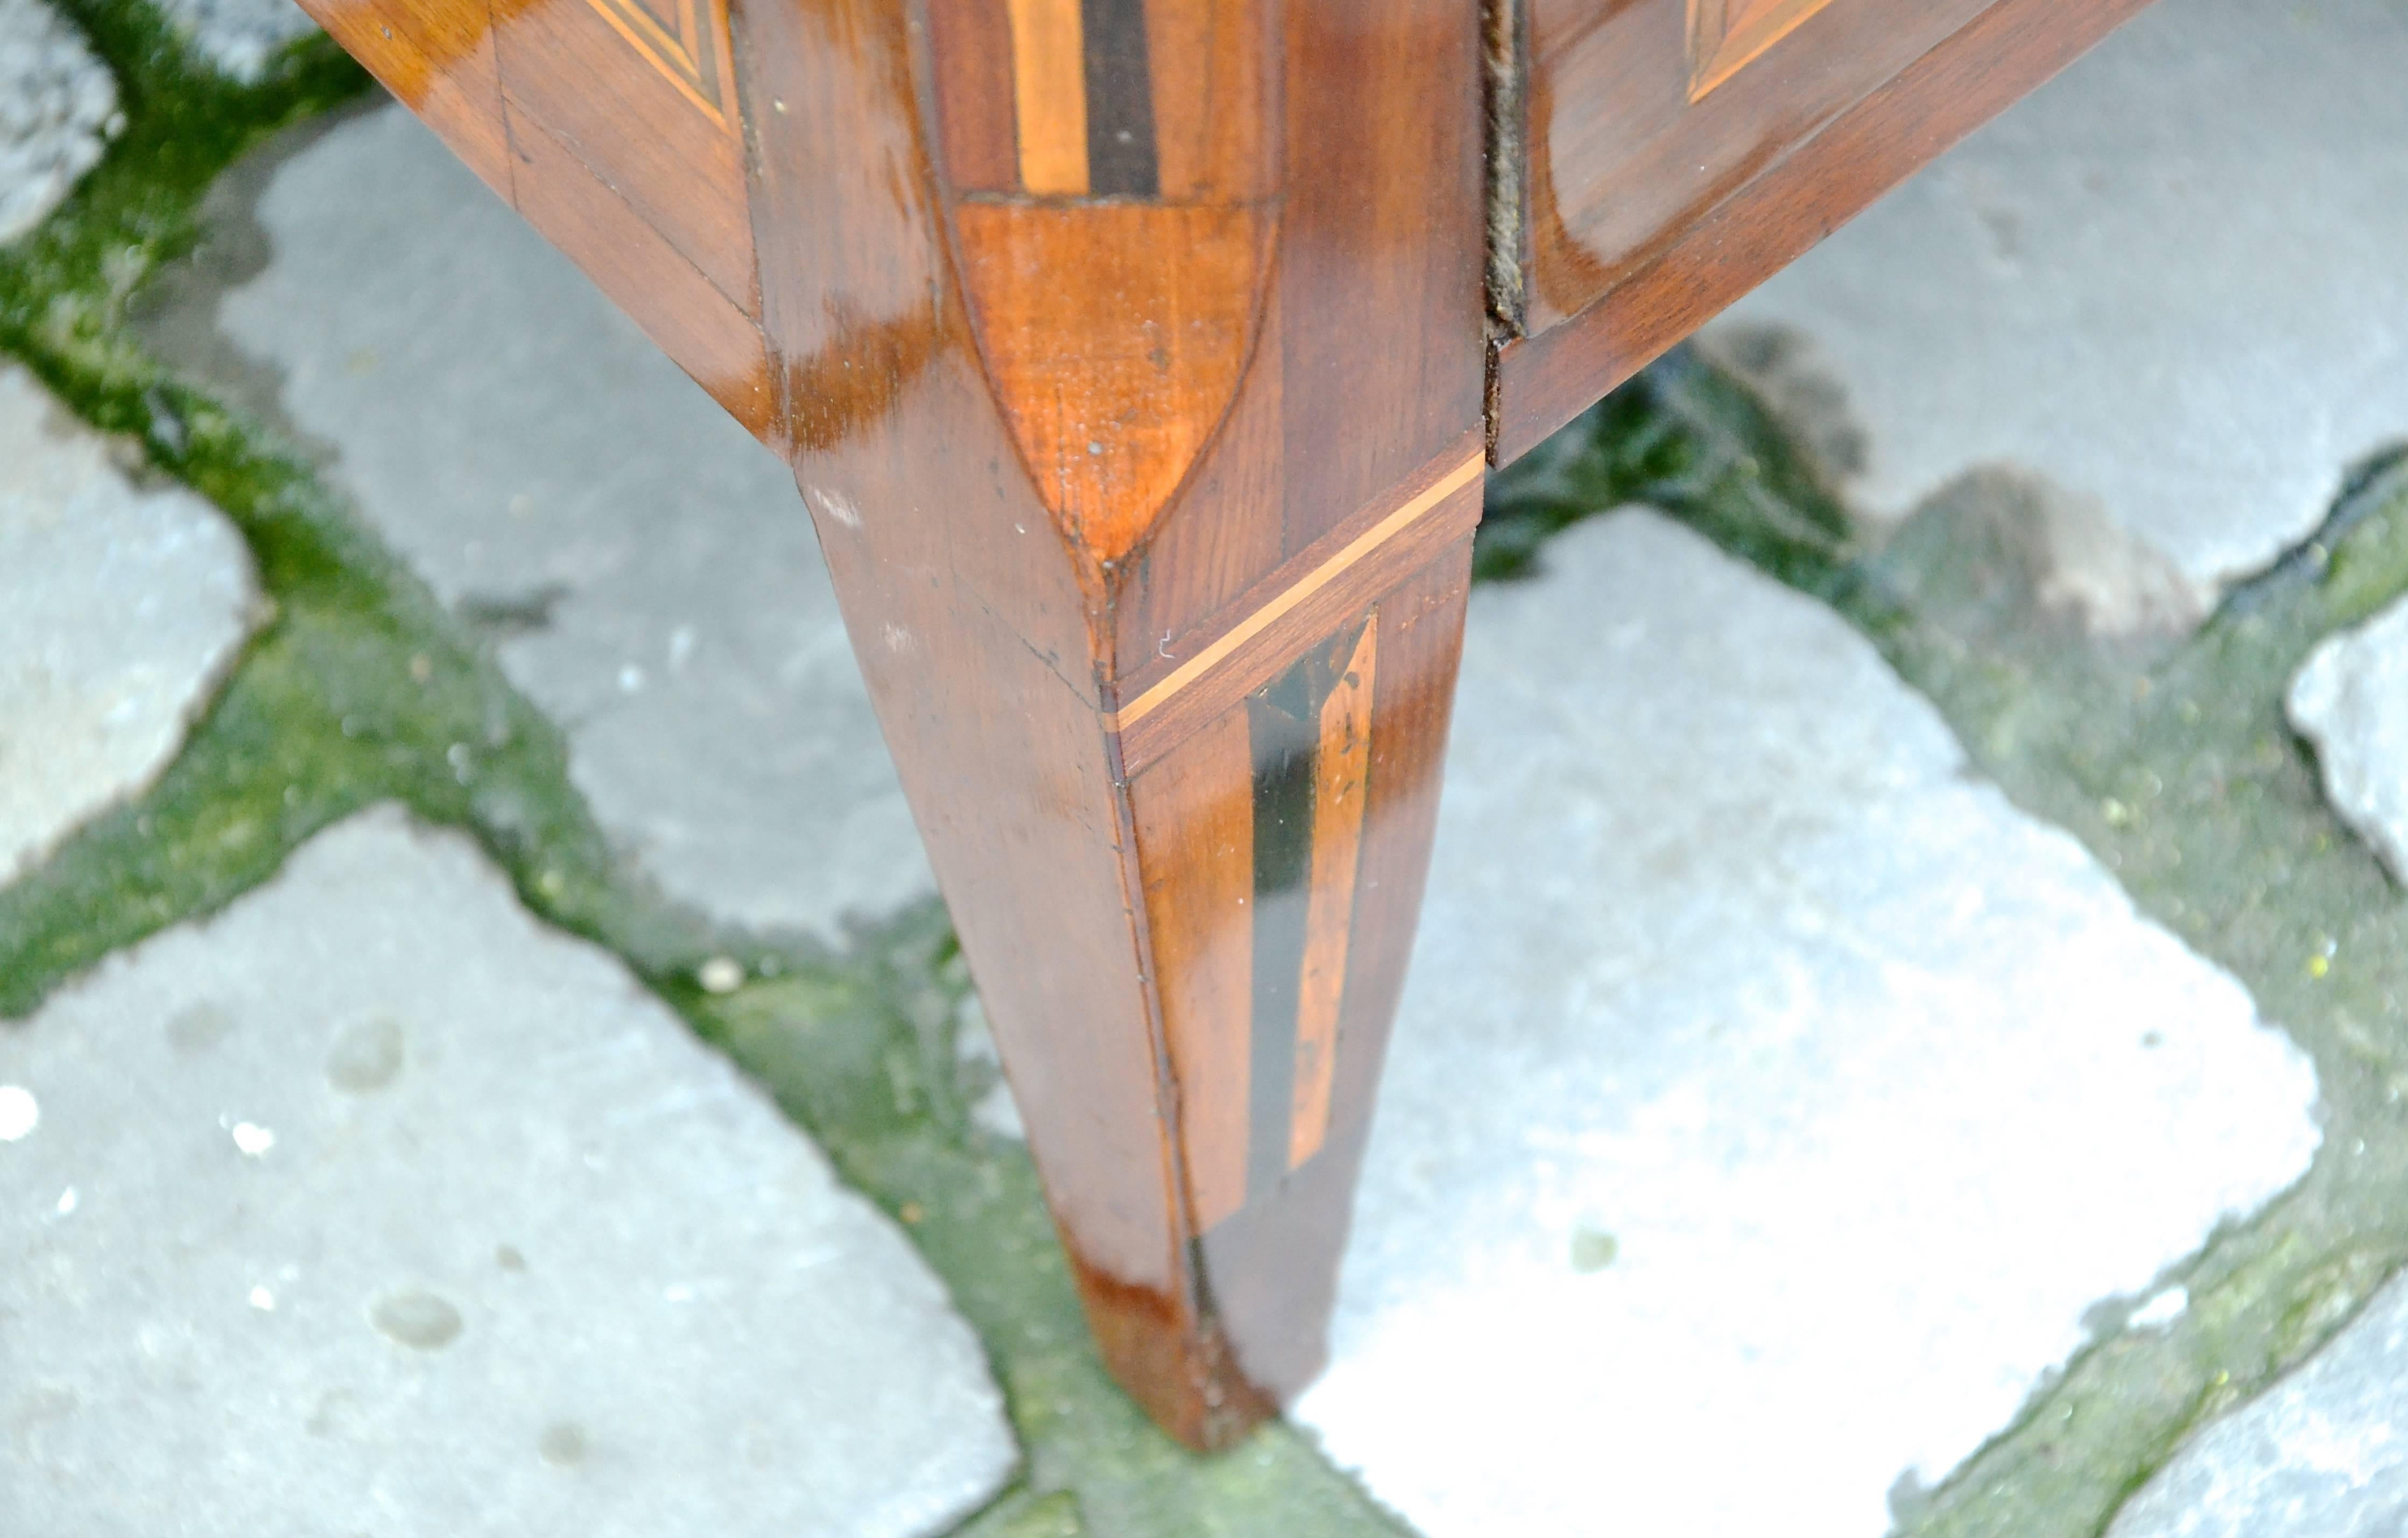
(19, 1112)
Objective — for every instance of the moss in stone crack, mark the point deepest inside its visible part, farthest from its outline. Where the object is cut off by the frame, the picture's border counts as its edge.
(63, 288)
(1682, 437)
(2175, 766)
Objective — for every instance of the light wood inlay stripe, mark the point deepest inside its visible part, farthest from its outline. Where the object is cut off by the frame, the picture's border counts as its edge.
(1728, 36)
(1049, 89)
(689, 59)
(1342, 774)
(1311, 582)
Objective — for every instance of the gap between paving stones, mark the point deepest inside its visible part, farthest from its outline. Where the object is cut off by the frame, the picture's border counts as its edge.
(361, 689)
(2176, 769)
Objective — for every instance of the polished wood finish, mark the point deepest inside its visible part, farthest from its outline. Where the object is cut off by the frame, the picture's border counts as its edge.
(1634, 133)
(1138, 362)
(1728, 36)
(1140, 413)
(1615, 307)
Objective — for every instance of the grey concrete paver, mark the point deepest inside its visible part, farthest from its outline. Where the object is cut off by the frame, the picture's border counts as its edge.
(119, 606)
(2169, 280)
(1770, 1102)
(647, 570)
(370, 1200)
(58, 109)
(2324, 1455)
(2351, 700)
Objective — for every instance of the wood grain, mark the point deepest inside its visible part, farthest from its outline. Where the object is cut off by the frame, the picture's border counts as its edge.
(970, 57)
(1622, 157)
(569, 70)
(1049, 94)
(1214, 78)
(436, 58)
(1000, 403)
(1115, 334)
(684, 313)
(1268, 625)
(1543, 380)
(1341, 771)
(1195, 820)
(1273, 1265)
(1726, 36)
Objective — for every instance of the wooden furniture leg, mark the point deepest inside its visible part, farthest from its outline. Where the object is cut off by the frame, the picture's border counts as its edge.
(1136, 359)
(1133, 380)
(1129, 355)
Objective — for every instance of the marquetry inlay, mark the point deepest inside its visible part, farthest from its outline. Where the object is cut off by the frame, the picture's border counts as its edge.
(1354, 554)
(686, 41)
(1724, 35)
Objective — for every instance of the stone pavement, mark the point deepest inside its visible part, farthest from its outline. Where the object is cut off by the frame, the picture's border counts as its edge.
(58, 106)
(370, 1194)
(644, 568)
(2168, 282)
(119, 607)
(1820, 1096)
(1877, 1059)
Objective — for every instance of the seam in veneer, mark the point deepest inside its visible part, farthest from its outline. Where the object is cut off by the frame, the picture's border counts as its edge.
(1504, 59)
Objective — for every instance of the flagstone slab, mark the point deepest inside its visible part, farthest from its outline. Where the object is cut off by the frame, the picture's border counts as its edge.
(1770, 1100)
(2351, 700)
(646, 569)
(58, 110)
(371, 1204)
(2168, 281)
(120, 604)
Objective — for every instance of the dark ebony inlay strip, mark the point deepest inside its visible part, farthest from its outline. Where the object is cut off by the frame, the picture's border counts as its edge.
(1284, 723)
(1120, 99)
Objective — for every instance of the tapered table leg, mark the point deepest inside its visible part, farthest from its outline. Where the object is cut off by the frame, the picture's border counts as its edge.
(1131, 357)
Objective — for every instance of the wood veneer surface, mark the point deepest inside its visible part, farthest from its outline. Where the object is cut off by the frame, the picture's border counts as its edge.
(1740, 228)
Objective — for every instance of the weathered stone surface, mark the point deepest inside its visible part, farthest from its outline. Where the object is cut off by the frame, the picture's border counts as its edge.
(2323, 1455)
(1770, 1100)
(2351, 700)
(1998, 551)
(238, 38)
(648, 568)
(58, 107)
(2169, 281)
(369, 1195)
(119, 607)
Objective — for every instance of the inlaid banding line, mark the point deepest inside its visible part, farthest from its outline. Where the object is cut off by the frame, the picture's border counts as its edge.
(1342, 780)
(1049, 92)
(685, 52)
(1120, 99)
(1728, 36)
(1310, 735)
(1262, 619)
